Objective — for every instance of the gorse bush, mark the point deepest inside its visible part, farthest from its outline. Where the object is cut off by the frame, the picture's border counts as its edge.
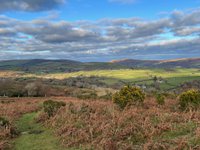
(51, 107)
(160, 99)
(128, 95)
(189, 100)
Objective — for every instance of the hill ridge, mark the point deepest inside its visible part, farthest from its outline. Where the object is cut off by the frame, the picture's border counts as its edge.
(66, 65)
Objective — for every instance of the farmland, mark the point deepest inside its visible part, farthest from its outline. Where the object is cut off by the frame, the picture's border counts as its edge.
(173, 77)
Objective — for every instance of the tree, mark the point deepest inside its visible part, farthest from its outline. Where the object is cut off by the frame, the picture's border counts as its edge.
(5, 86)
(35, 89)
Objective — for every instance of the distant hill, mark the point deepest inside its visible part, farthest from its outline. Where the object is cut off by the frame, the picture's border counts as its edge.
(52, 66)
(38, 65)
(135, 63)
(175, 63)
(185, 63)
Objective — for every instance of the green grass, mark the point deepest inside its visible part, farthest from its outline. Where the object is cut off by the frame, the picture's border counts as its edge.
(174, 77)
(31, 138)
(181, 130)
(27, 123)
(127, 74)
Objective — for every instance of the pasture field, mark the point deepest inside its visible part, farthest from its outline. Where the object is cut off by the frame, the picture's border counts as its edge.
(125, 74)
(171, 77)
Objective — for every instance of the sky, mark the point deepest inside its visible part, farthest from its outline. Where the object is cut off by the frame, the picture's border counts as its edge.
(99, 30)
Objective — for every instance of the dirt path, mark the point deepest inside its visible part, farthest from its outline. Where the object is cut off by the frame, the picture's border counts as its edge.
(34, 136)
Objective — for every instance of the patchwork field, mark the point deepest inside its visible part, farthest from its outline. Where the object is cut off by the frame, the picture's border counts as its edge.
(173, 76)
(169, 77)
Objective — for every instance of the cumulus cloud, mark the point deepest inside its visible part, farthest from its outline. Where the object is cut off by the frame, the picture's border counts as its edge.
(106, 38)
(29, 5)
(185, 24)
(59, 32)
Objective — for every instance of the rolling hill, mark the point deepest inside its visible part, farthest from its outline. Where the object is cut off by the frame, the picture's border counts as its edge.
(175, 63)
(50, 66)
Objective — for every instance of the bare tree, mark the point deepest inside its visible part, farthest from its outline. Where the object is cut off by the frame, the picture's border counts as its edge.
(5, 86)
(35, 89)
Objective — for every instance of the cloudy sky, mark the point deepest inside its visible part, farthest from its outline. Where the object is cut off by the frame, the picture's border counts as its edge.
(99, 30)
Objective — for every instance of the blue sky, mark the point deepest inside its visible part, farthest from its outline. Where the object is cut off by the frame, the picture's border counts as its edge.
(89, 30)
(74, 10)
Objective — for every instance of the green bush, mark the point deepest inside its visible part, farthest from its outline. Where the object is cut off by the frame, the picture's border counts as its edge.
(128, 95)
(4, 122)
(170, 95)
(160, 99)
(87, 95)
(51, 107)
(107, 96)
(189, 100)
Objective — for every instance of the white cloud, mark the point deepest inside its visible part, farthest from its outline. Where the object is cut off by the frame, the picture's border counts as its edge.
(29, 5)
(106, 38)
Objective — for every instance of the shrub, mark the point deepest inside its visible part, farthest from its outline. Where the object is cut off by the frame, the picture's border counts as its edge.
(51, 107)
(160, 99)
(170, 95)
(107, 96)
(4, 122)
(84, 95)
(128, 95)
(189, 100)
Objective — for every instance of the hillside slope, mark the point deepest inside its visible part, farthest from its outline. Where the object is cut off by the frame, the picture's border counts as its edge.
(38, 65)
(176, 63)
(51, 66)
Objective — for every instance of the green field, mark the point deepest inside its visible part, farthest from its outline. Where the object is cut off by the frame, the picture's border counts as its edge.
(173, 77)
(172, 72)
(170, 77)
(125, 74)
